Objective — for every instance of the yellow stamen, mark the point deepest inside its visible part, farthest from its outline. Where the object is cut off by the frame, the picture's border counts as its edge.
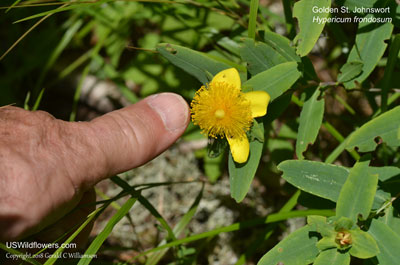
(221, 110)
(219, 113)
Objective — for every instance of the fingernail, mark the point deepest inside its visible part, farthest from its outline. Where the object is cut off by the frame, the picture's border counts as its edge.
(172, 109)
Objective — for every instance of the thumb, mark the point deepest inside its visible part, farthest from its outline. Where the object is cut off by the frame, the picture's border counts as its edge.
(129, 137)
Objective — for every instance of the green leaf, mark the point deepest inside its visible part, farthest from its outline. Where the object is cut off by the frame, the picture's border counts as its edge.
(357, 194)
(369, 47)
(257, 132)
(381, 197)
(100, 238)
(327, 242)
(349, 71)
(272, 218)
(310, 122)
(241, 175)
(276, 80)
(281, 45)
(322, 227)
(388, 242)
(316, 219)
(385, 126)
(195, 63)
(310, 28)
(392, 219)
(90, 218)
(385, 173)
(296, 249)
(332, 256)
(343, 223)
(323, 180)
(351, 4)
(253, 18)
(259, 56)
(326, 180)
(363, 244)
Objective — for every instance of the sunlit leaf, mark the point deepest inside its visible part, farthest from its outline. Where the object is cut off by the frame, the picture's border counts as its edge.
(326, 180)
(349, 71)
(195, 63)
(332, 256)
(281, 45)
(388, 242)
(276, 80)
(310, 122)
(385, 126)
(357, 194)
(363, 245)
(310, 28)
(296, 249)
(259, 56)
(369, 47)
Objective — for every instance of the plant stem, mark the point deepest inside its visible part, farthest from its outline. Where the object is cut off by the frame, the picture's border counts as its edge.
(253, 19)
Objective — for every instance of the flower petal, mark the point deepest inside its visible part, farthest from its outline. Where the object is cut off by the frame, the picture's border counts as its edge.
(230, 76)
(258, 102)
(240, 148)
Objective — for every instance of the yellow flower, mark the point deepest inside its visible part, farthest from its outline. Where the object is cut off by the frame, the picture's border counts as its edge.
(221, 110)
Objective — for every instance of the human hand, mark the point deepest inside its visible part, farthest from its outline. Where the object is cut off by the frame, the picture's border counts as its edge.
(47, 165)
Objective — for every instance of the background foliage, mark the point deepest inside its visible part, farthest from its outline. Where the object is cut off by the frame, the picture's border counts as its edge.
(329, 141)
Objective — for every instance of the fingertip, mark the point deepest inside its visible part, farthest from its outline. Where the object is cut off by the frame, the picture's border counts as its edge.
(172, 110)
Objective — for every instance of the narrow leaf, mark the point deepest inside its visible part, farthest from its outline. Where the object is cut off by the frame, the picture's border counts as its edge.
(100, 238)
(323, 180)
(369, 47)
(357, 194)
(349, 71)
(282, 46)
(192, 62)
(385, 126)
(298, 248)
(276, 80)
(253, 18)
(310, 122)
(311, 24)
(259, 56)
(326, 180)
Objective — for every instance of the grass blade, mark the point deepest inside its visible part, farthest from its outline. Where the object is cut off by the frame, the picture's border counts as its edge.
(178, 229)
(91, 217)
(100, 238)
(25, 34)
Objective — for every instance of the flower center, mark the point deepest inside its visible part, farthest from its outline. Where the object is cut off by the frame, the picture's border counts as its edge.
(219, 114)
(221, 110)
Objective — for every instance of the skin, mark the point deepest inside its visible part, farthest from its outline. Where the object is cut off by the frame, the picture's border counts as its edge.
(48, 167)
